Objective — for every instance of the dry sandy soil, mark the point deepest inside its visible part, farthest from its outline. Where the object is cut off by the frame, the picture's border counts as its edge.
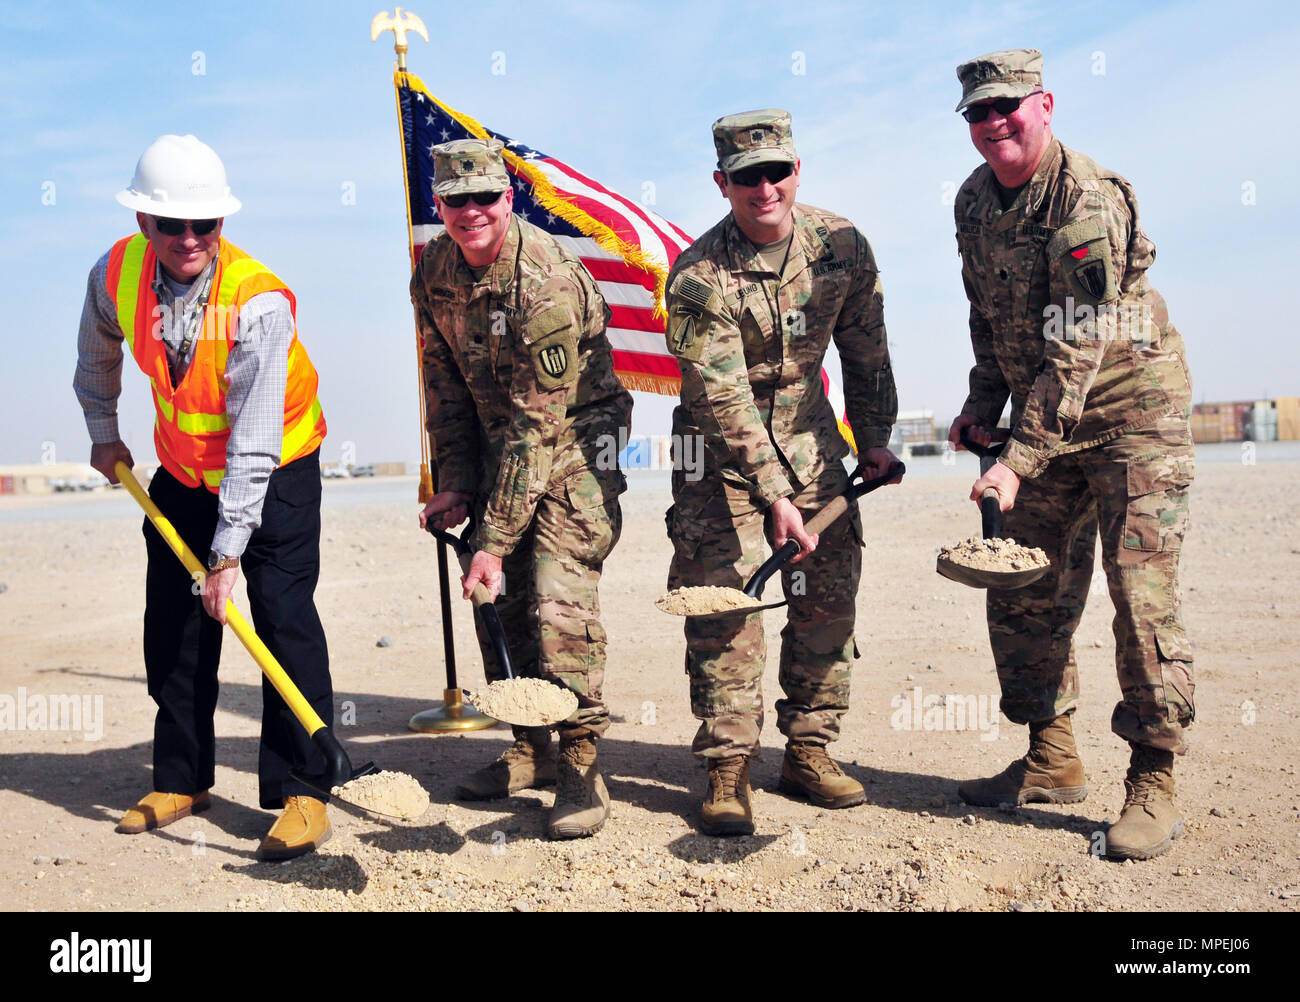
(73, 575)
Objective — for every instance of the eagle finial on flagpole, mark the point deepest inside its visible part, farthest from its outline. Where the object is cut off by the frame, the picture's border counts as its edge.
(399, 24)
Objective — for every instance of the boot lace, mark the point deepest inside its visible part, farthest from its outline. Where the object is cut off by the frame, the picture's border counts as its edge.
(724, 779)
(819, 760)
(569, 776)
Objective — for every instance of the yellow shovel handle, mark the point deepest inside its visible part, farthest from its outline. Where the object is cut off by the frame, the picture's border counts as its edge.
(283, 684)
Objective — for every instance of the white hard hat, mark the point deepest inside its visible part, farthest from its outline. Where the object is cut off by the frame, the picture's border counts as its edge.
(180, 178)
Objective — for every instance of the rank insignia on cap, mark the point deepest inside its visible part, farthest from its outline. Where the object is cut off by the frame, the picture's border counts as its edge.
(756, 135)
(467, 166)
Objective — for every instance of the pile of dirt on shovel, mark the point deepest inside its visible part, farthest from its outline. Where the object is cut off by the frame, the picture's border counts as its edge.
(393, 793)
(528, 702)
(994, 555)
(702, 599)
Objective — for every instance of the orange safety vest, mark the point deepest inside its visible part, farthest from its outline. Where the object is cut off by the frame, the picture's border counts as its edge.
(191, 428)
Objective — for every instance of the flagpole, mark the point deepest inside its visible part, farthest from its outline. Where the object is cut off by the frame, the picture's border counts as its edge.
(454, 714)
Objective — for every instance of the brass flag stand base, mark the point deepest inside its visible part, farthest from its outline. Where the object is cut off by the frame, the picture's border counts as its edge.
(453, 715)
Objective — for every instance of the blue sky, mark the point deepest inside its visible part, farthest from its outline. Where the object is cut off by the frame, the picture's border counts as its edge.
(1194, 103)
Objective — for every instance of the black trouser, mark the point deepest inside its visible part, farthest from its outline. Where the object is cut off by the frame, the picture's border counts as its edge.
(182, 643)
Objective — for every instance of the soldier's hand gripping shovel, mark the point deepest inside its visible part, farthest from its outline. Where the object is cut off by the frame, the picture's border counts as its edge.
(955, 564)
(338, 767)
(712, 601)
(524, 702)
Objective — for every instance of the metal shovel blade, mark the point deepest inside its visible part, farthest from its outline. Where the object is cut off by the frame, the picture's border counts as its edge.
(777, 560)
(991, 528)
(976, 578)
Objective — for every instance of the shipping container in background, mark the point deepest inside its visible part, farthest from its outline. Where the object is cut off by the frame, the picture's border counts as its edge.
(1288, 419)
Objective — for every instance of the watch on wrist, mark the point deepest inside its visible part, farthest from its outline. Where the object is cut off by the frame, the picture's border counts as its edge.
(218, 562)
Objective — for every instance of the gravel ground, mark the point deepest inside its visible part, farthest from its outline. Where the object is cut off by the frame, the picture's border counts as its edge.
(71, 606)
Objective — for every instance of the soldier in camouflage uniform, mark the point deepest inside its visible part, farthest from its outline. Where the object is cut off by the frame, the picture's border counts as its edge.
(1064, 322)
(524, 416)
(752, 306)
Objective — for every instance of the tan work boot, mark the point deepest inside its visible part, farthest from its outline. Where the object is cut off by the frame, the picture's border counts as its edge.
(1051, 773)
(158, 810)
(528, 764)
(808, 771)
(726, 809)
(302, 827)
(1150, 822)
(581, 799)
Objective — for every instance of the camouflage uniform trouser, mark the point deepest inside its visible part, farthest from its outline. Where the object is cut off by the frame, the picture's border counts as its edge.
(725, 657)
(1134, 489)
(550, 607)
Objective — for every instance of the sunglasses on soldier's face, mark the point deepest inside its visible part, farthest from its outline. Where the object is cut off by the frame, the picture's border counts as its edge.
(749, 177)
(175, 227)
(976, 113)
(480, 198)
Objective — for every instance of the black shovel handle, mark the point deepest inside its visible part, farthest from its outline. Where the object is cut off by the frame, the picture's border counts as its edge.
(815, 525)
(993, 449)
(484, 607)
(991, 514)
(990, 509)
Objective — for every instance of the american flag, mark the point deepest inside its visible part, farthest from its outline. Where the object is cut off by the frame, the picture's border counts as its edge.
(627, 248)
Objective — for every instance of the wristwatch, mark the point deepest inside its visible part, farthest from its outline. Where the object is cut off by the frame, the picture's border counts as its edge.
(218, 562)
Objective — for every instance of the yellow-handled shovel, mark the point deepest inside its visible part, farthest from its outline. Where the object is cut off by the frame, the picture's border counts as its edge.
(338, 768)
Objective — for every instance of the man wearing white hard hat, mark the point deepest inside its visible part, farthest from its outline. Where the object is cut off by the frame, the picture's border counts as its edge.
(238, 431)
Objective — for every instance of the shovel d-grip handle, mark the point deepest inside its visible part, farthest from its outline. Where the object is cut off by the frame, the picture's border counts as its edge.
(480, 595)
(992, 450)
(484, 606)
(824, 518)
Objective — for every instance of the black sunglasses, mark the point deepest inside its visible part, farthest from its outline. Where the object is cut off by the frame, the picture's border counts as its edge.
(480, 198)
(175, 227)
(976, 113)
(748, 177)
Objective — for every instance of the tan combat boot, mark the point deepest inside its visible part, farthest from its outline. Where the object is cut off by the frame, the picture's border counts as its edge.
(726, 809)
(581, 799)
(527, 764)
(1051, 773)
(1150, 821)
(808, 771)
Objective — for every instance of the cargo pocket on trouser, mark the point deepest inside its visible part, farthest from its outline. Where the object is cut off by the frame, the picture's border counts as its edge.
(1157, 687)
(1156, 517)
(591, 717)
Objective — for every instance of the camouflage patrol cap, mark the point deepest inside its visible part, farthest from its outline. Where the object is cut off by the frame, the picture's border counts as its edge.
(468, 165)
(753, 137)
(1009, 73)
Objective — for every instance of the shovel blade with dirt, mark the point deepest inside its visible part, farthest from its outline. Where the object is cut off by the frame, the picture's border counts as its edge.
(711, 601)
(524, 702)
(990, 562)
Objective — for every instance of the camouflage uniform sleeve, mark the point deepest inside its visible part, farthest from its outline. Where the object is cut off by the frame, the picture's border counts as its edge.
(1087, 259)
(715, 389)
(451, 418)
(988, 387)
(869, 391)
(545, 372)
